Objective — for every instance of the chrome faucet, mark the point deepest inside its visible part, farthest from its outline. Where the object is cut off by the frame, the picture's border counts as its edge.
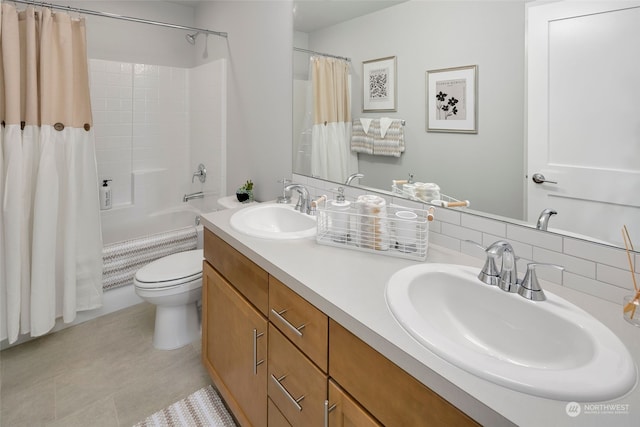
(198, 195)
(530, 287)
(543, 219)
(201, 174)
(352, 177)
(304, 201)
(507, 277)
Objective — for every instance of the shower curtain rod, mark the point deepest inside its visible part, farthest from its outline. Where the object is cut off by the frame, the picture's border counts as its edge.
(116, 16)
(313, 52)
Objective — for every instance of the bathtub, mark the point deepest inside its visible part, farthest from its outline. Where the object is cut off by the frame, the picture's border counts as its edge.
(119, 225)
(130, 241)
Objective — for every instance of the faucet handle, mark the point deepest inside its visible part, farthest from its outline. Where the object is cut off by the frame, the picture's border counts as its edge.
(490, 274)
(530, 287)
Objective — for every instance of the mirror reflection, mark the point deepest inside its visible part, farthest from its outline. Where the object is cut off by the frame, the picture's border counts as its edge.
(489, 168)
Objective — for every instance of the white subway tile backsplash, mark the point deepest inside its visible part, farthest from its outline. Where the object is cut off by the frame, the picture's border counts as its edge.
(444, 241)
(570, 263)
(448, 215)
(536, 238)
(595, 288)
(486, 225)
(595, 252)
(595, 269)
(616, 276)
(461, 233)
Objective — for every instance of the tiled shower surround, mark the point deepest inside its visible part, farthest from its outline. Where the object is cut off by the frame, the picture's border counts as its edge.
(141, 123)
(595, 269)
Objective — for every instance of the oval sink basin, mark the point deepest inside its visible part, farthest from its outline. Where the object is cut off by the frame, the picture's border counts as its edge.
(551, 349)
(273, 221)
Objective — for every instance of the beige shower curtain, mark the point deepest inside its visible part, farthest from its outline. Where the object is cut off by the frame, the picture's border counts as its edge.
(331, 157)
(51, 251)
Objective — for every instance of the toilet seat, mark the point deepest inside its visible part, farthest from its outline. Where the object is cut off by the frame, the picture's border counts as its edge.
(171, 271)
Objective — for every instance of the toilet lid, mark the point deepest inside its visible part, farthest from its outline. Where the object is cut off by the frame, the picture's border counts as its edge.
(182, 265)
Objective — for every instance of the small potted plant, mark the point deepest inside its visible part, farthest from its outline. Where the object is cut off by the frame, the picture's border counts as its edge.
(244, 194)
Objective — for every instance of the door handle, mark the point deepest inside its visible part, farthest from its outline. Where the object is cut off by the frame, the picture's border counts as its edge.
(256, 362)
(293, 400)
(538, 178)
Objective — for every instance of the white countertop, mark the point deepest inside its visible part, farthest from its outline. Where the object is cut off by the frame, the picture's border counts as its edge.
(349, 286)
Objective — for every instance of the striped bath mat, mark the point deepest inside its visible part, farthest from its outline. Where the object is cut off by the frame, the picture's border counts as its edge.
(204, 408)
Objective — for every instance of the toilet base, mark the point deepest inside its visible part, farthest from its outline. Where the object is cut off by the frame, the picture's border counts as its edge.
(176, 326)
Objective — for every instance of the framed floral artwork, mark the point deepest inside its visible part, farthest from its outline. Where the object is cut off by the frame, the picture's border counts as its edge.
(379, 85)
(452, 100)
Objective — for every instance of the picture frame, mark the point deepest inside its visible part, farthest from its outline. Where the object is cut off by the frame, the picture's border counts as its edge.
(452, 99)
(379, 85)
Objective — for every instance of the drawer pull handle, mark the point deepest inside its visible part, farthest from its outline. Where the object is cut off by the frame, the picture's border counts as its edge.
(327, 409)
(256, 362)
(293, 400)
(295, 330)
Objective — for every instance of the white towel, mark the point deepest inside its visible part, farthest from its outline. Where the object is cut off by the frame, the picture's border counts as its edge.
(385, 122)
(391, 142)
(373, 225)
(361, 142)
(365, 124)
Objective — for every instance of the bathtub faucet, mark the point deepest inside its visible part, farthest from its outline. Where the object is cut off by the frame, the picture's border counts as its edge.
(198, 195)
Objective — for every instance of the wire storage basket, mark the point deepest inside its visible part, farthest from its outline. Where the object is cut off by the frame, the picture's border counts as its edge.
(391, 230)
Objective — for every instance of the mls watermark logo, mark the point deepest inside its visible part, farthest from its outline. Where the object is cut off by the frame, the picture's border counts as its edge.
(573, 409)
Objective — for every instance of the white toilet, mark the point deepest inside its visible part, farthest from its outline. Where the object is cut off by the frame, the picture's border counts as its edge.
(174, 284)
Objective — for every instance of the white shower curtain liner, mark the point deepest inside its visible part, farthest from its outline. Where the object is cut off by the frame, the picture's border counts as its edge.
(331, 156)
(51, 251)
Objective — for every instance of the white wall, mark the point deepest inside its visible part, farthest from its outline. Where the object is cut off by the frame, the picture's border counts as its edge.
(429, 35)
(259, 89)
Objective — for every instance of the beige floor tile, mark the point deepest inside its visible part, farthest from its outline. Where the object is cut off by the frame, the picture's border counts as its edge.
(90, 373)
(101, 413)
(33, 405)
(160, 389)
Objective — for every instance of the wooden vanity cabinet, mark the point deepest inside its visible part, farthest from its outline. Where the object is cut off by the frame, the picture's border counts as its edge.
(343, 411)
(234, 330)
(278, 361)
(391, 395)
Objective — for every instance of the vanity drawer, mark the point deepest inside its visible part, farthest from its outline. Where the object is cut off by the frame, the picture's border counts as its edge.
(353, 364)
(296, 386)
(246, 276)
(304, 325)
(274, 416)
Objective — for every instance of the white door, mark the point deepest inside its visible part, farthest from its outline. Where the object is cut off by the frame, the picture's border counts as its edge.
(584, 116)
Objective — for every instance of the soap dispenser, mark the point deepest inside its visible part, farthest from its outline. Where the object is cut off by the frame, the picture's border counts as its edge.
(105, 195)
(340, 217)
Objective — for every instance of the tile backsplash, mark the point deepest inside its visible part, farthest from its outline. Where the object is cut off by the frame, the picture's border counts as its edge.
(592, 268)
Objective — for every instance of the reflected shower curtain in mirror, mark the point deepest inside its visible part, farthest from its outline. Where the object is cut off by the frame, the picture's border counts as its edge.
(51, 251)
(331, 157)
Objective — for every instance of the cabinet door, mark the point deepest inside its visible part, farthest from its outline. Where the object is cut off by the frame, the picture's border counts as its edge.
(389, 393)
(234, 348)
(296, 385)
(343, 411)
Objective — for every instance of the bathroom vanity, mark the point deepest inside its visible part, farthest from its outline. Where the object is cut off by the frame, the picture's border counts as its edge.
(299, 334)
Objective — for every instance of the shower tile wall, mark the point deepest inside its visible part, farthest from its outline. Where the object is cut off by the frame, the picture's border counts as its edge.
(141, 125)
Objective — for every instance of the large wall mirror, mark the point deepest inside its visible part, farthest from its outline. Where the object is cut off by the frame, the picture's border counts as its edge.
(493, 168)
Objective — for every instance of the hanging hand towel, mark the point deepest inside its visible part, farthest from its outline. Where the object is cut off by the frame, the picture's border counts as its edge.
(365, 124)
(361, 142)
(391, 141)
(385, 122)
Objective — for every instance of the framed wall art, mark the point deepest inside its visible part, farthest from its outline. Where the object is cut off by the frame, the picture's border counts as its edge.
(452, 100)
(379, 85)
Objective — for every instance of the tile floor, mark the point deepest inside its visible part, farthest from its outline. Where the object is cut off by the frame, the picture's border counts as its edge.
(104, 372)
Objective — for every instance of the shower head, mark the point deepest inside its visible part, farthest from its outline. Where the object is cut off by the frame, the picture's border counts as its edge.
(191, 38)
